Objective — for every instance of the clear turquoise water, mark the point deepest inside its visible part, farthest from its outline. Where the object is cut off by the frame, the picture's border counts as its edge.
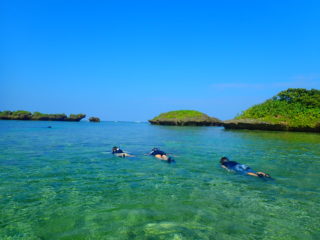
(63, 183)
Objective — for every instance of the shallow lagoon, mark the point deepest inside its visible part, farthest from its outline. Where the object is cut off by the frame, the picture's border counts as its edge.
(63, 183)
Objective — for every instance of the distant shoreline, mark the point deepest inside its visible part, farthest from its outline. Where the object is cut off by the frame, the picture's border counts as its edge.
(37, 116)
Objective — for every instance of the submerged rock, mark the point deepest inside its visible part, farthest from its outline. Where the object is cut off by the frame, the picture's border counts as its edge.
(94, 119)
(185, 118)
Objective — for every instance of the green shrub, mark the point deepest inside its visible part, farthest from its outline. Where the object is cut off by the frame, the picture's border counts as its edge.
(21, 115)
(76, 117)
(295, 107)
(5, 115)
(181, 114)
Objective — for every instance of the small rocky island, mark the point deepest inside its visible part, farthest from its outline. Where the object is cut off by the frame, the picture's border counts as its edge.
(37, 116)
(295, 109)
(94, 119)
(185, 118)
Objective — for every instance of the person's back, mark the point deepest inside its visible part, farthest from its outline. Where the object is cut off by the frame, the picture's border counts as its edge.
(116, 150)
(229, 164)
(161, 155)
(120, 153)
(157, 151)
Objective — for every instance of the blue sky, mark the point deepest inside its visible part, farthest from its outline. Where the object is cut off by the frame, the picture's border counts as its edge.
(131, 60)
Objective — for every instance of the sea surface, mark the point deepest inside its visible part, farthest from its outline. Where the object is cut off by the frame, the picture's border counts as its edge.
(63, 183)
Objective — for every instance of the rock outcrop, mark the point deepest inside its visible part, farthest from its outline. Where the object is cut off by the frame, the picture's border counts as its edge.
(37, 116)
(185, 118)
(94, 119)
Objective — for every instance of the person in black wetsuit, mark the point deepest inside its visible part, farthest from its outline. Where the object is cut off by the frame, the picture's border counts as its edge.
(240, 168)
(156, 152)
(120, 153)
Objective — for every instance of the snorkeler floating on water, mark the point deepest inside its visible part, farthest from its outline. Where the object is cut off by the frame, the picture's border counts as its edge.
(120, 153)
(156, 152)
(224, 161)
(241, 168)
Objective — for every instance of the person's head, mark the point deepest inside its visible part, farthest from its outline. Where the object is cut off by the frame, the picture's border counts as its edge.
(223, 160)
(114, 148)
(154, 149)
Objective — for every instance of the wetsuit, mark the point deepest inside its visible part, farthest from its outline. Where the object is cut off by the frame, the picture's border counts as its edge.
(238, 167)
(156, 152)
(161, 153)
(117, 151)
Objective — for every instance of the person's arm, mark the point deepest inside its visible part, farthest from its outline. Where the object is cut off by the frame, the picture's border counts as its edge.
(258, 174)
(128, 155)
(223, 166)
(253, 174)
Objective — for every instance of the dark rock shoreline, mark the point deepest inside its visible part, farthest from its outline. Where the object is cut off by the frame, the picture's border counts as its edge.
(252, 124)
(212, 122)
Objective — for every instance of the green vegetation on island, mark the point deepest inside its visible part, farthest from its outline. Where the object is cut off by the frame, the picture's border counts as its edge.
(17, 115)
(185, 118)
(295, 109)
(25, 115)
